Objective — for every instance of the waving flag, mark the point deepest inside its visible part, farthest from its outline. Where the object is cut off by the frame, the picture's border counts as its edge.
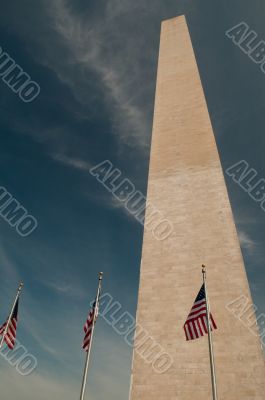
(196, 323)
(10, 336)
(89, 326)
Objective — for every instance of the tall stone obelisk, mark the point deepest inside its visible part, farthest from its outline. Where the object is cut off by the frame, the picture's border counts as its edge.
(186, 183)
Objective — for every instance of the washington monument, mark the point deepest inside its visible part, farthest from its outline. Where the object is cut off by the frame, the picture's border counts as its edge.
(186, 183)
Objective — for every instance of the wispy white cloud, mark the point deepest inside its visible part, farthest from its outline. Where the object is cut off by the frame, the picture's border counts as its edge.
(64, 288)
(91, 48)
(72, 162)
(246, 242)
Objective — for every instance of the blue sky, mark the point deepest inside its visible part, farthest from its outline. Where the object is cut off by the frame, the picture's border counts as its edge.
(96, 66)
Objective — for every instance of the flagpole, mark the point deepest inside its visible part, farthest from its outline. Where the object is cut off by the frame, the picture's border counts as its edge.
(11, 313)
(210, 342)
(82, 394)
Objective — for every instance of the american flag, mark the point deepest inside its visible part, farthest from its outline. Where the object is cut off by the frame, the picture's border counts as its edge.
(89, 325)
(10, 337)
(196, 323)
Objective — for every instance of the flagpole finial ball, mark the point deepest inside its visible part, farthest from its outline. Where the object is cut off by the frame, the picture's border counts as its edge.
(100, 275)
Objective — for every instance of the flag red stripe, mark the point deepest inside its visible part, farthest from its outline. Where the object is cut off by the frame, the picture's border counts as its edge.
(10, 337)
(213, 322)
(199, 326)
(88, 328)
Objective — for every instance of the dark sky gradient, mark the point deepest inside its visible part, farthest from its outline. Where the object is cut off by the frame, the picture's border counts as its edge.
(96, 65)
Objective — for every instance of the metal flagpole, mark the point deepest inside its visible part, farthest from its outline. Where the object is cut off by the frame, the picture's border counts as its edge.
(11, 313)
(213, 376)
(91, 338)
